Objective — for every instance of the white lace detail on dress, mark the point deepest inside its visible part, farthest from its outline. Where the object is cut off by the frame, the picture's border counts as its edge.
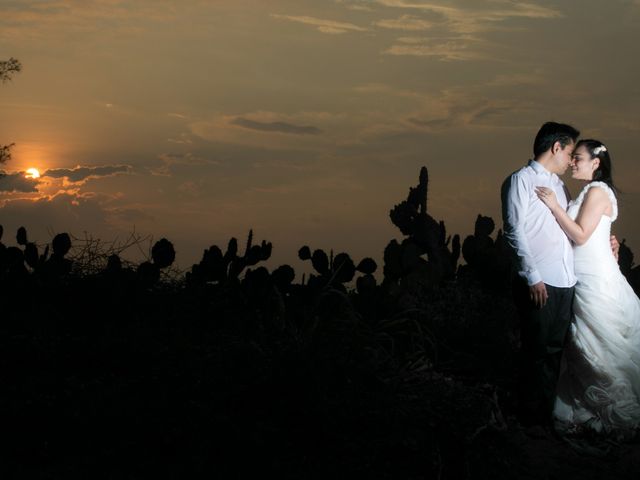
(606, 188)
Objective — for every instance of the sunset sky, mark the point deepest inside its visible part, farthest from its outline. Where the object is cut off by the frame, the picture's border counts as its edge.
(306, 120)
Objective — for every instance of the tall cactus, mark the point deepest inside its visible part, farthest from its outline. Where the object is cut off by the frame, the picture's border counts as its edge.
(424, 235)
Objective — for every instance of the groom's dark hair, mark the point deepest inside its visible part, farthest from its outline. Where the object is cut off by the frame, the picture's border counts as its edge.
(552, 132)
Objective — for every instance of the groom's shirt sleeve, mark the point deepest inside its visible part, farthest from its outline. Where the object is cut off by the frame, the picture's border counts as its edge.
(515, 205)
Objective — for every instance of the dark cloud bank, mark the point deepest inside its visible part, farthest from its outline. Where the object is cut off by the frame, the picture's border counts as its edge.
(17, 182)
(79, 174)
(281, 127)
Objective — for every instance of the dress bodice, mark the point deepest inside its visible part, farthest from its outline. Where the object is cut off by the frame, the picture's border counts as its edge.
(595, 256)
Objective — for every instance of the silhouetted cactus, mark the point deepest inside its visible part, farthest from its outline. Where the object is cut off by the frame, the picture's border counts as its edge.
(30, 253)
(14, 266)
(57, 267)
(367, 266)
(455, 251)
(61, 244)
(320, 262)
(343, 268)
(487, 261)
(163, 254)
(478, 248)
(405, 261)
(304, 253)
(148, 274)
(336, 270)
(119, 281)
(114, 264)
(216, 267)
(232, 248)
(283, 276)
(21, 236)
(366, 284)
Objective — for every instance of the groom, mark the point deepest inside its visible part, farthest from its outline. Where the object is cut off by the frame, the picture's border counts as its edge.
(543, 287)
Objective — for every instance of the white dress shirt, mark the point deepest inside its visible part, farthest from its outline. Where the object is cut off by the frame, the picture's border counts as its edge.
(543, 251)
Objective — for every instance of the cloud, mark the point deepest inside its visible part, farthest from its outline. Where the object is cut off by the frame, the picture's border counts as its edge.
(17, 182)
(363, 8)
(517, 79)
(281, 127)
(479, 17)
(171, 160)
(324, 26)
(443, 50)
(472, 107)
(81, 174)
(405, 22)
(455, 32)
(183, 139)
(381, 88)
(35, 19)
(471, 110)
(458, 28)
(488, 112)
(432, 123)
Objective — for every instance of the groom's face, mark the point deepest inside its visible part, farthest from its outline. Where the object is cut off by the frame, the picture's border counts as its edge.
(562, 157)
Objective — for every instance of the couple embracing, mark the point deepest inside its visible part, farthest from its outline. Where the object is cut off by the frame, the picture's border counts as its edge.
(580, 319)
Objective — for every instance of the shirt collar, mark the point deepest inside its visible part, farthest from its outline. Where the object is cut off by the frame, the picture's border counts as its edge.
(539, 169)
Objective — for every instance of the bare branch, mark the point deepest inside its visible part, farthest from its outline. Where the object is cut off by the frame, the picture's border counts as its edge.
(8, 68)
(5, 152)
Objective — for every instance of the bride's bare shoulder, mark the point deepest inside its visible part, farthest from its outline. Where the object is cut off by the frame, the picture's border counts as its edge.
(598, 196)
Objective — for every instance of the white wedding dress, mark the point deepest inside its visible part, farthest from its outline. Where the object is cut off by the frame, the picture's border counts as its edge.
(599, 384)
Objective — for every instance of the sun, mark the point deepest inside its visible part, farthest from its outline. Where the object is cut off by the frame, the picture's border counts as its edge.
(32, 173)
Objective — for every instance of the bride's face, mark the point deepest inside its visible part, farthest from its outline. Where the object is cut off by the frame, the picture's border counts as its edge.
(582, 165)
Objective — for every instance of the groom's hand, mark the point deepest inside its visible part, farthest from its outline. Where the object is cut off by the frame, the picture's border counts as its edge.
(538, 294)
(615, 246)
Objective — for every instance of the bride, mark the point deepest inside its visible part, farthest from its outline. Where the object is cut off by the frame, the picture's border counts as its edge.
(599, 384)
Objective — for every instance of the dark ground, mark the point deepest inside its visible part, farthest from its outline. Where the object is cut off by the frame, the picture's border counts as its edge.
(173, 384)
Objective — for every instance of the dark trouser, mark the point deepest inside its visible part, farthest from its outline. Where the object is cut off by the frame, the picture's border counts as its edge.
(542, 333)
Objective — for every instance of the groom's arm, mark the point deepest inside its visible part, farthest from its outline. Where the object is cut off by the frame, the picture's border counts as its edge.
(515, 202)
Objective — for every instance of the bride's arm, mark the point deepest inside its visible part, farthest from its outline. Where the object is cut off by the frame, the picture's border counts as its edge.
(595, 204)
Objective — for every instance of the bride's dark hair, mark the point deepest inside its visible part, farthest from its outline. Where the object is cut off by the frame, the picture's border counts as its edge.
(603, 172)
